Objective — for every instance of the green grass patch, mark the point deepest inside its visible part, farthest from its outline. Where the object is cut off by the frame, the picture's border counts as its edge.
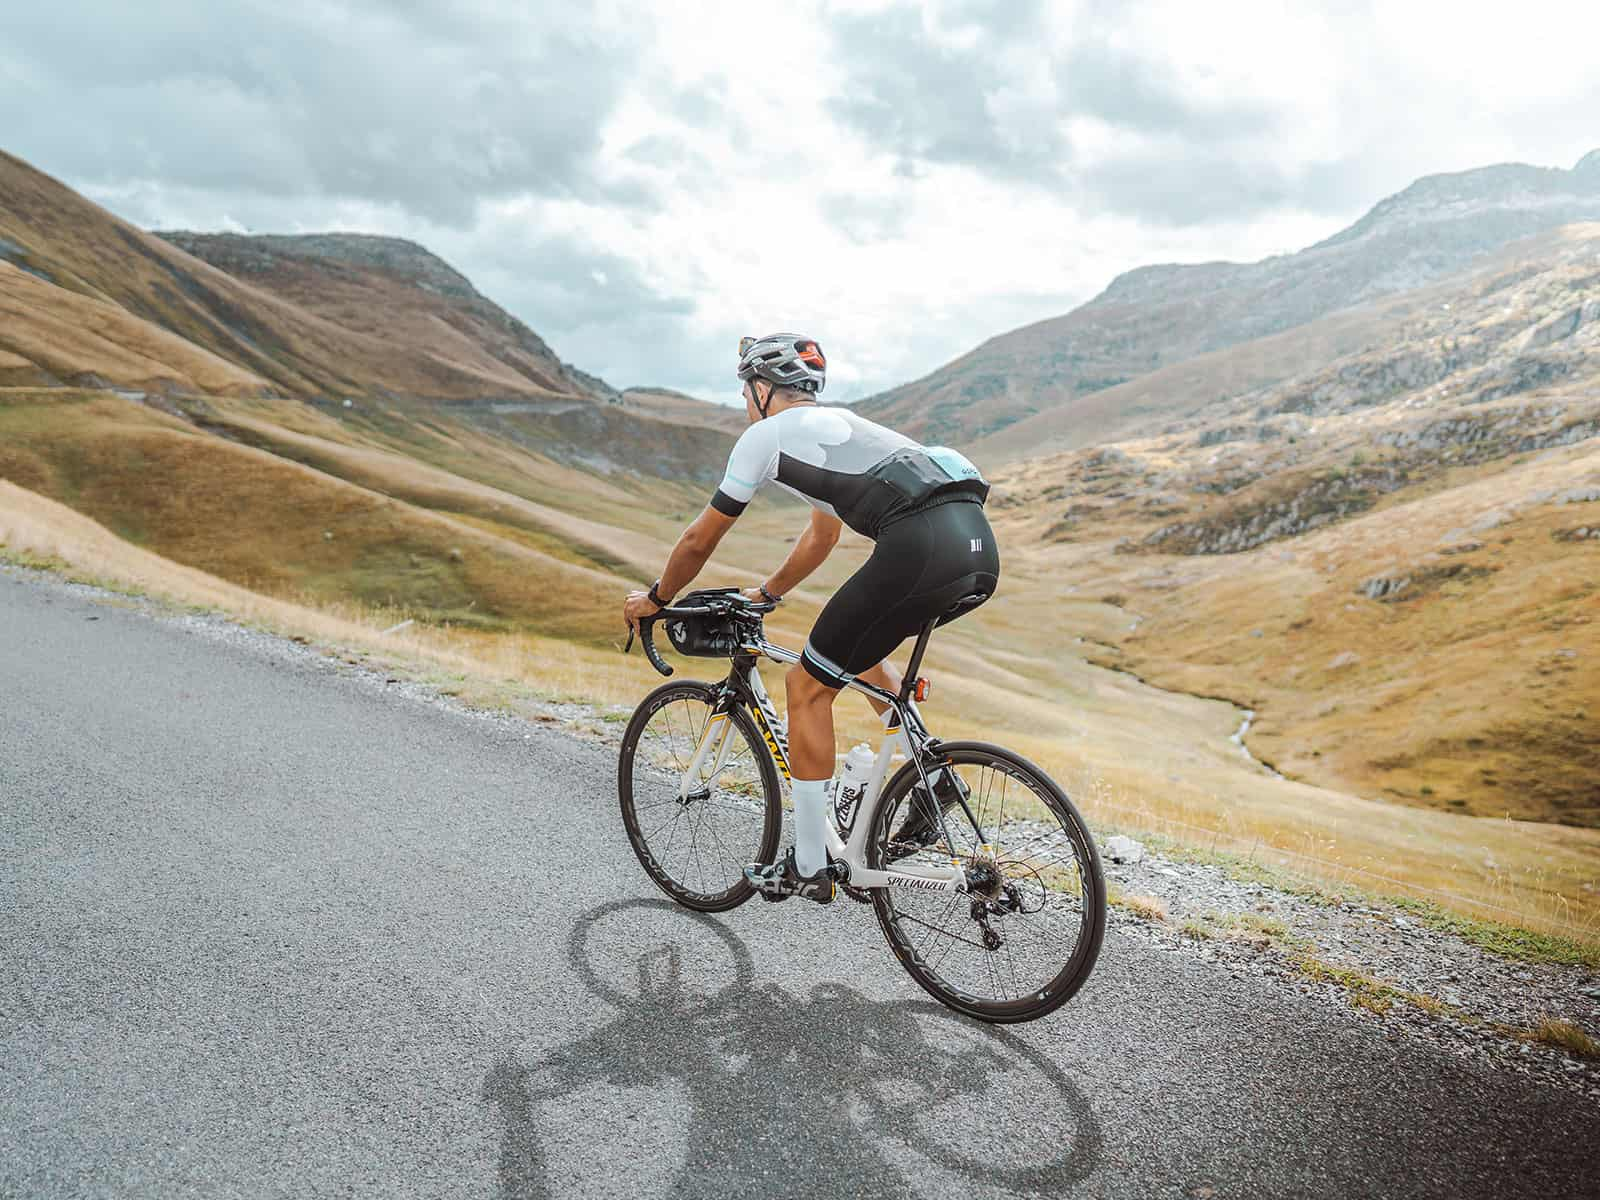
(1507, 941)
(1367, 992)
(64, 570)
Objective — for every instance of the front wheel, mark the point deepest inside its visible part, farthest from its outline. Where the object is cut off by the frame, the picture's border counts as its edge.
(1021, 941)
(695, 825)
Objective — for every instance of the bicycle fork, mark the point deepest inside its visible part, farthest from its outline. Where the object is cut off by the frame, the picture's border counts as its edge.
(713, 744)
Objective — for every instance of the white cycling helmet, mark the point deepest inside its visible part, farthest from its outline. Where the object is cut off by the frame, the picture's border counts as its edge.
(785, 359)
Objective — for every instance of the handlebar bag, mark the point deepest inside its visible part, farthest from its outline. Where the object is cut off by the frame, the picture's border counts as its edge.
(707, 635)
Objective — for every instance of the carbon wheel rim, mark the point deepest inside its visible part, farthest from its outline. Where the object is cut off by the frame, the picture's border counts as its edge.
(1017, 942)
(697, 831)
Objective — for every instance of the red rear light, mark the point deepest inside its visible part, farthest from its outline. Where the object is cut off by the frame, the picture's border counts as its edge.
(924, 686)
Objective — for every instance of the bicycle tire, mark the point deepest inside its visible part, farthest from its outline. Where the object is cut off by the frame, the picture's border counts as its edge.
(1047, 996)
(739, 890)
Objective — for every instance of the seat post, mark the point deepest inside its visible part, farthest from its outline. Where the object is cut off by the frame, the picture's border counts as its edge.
(910, 681)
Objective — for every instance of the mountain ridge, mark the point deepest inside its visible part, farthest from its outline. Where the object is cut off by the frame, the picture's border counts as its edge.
(1160, 314)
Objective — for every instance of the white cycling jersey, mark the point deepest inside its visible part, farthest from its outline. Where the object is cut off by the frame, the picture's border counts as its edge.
(843, 464)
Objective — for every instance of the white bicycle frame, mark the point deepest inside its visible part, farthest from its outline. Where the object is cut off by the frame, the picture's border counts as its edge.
(907, 731)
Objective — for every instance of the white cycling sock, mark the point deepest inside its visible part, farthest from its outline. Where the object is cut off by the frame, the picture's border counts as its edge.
(810, 819)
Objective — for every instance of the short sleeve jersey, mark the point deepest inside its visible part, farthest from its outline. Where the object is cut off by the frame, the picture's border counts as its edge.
(823, 455)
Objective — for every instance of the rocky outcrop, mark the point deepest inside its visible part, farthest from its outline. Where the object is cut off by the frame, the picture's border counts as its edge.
(1466, 437)
(1295, 506)
(1419, 581)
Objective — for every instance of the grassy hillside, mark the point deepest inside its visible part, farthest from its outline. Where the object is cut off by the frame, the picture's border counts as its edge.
(49, 335)
(280, 528)
(394, 291)
(52, 233)
(1394, 557)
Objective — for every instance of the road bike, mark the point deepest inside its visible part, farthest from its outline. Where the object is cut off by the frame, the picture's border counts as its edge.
(983, 874)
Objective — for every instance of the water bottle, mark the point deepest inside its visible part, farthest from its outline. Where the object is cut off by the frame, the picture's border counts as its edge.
(852, 782)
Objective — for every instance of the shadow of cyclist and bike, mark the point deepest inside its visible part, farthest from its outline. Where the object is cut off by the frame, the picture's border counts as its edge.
(736, 1087)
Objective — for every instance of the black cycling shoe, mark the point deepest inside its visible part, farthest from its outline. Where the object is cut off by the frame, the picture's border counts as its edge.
(780, 880)
(920, 828)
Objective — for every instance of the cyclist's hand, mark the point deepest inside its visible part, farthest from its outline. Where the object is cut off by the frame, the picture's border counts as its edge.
(637, 606)
(753, 595)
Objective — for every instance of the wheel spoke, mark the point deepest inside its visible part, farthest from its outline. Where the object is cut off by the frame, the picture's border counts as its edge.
(696, 846)
(1039, 929)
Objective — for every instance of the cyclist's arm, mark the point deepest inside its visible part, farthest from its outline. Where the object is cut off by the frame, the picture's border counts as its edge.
(810, 549)
(754, 461)
(694, 547)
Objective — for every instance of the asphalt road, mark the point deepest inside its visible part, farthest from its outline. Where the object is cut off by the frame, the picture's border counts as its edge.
(267, 929)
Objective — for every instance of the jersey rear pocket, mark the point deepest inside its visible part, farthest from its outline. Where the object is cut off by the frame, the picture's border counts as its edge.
(916, 473)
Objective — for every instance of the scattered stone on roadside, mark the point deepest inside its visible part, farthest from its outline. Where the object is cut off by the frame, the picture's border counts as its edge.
(1124, 849)
(1344, 659)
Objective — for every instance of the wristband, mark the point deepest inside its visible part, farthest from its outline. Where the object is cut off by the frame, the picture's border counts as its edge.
(655, 596)
(771, 599)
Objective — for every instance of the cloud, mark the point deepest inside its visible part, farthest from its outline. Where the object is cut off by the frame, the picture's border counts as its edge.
(1076, 108)
(928, 94)
(430, 109)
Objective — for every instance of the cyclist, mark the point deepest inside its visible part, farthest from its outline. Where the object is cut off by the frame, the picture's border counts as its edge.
(923, 508)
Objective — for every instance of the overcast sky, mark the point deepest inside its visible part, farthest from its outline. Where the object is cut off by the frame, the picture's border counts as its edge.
(642, 183)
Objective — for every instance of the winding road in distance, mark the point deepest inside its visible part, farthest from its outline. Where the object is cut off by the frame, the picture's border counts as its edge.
(268, 928)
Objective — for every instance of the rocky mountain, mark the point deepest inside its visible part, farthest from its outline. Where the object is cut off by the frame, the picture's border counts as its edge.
(1157, 316)
(1392, 554)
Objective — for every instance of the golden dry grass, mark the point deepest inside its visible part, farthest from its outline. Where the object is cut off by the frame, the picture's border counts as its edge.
(1564, 1035)
(1480, 695)
(1146, 908)
(88, 251)
(70, 335)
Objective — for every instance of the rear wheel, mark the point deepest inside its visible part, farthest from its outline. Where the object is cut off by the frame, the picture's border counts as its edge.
(1021, 941)
(694, 832)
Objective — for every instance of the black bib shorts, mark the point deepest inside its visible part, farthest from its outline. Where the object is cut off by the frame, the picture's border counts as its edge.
(923, 563)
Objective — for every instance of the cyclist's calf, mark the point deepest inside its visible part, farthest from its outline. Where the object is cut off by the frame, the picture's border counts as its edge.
(810, 724)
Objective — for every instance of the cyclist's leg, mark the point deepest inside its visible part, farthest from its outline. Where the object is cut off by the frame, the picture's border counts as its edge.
(811, 765)
(921, 566)
(811, 687)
